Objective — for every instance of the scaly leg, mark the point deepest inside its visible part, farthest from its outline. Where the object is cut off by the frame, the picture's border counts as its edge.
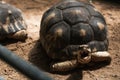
(101, 56)
(64, 66)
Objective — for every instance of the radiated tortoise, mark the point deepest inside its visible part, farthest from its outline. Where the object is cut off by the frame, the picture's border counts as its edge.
(12, 24)
(74, 33)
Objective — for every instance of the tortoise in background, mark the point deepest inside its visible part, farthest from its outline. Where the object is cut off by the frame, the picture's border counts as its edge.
(12, 24)
(74, 33)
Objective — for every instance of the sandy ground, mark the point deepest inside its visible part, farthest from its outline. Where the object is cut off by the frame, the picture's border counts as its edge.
(31, 51)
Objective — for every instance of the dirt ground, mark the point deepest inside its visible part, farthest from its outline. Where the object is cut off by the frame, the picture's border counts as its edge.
(32, 52)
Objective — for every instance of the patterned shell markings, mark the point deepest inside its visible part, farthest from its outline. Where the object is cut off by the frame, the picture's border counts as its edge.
(11, 19)
(71, 23)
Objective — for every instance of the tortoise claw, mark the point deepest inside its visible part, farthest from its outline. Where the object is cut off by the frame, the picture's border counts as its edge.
(101, 56)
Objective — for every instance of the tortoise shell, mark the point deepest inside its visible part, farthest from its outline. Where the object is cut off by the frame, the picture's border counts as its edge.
(11, 19)
(71, 23)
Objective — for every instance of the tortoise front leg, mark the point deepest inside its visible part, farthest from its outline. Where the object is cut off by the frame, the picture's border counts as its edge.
(101, 56)
(99, 51)
(64, 66)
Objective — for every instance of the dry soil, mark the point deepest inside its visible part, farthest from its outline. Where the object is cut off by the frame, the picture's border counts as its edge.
(32, 52)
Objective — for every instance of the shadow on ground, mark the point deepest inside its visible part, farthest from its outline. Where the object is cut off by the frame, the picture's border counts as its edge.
(108, 2)
(10, 41)
(39, 58)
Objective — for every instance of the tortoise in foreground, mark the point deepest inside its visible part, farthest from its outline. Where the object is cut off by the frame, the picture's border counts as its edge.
(12, 24)
(74, 33)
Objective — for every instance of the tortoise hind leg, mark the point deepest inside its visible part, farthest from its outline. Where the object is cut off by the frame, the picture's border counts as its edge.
(20, 35)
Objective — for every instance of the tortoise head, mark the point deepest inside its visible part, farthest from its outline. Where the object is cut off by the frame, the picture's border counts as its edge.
(82, 53)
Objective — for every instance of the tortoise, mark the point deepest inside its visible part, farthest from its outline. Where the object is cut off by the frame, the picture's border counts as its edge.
(12, 24)
(74, 33)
